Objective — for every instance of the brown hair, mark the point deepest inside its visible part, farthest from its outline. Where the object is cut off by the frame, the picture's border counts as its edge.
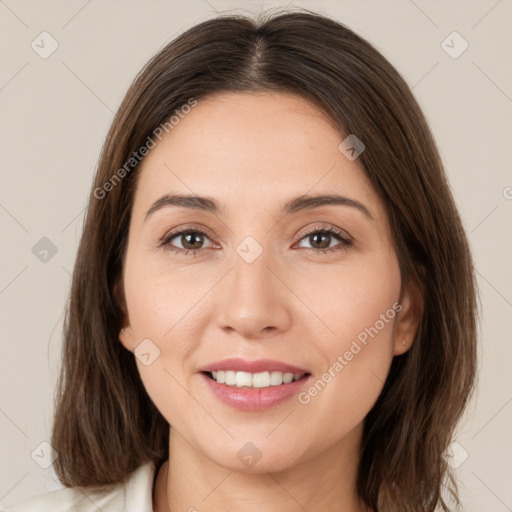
(105, 423)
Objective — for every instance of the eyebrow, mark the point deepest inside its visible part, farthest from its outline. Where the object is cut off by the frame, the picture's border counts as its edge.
(301, 203)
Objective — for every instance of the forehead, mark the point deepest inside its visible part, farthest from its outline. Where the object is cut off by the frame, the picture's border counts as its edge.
(255, 149)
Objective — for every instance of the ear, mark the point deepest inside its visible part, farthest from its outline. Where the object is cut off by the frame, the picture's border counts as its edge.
(409, 317)
(125, 335)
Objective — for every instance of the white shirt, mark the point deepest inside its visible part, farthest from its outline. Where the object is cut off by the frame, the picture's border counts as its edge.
(135, 495)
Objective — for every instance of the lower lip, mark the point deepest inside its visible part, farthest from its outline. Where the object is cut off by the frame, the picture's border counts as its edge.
(254, 399)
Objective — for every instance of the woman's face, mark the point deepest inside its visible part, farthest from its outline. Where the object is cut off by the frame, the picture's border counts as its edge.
(262, 282)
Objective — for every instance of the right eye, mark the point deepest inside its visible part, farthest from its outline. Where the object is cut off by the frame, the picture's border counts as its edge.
(189, 237)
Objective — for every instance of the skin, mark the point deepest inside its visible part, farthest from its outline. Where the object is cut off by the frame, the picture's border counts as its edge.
(252, 153)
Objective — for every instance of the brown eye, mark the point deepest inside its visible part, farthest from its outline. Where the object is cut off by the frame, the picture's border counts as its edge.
(320, 240)
(191, 240)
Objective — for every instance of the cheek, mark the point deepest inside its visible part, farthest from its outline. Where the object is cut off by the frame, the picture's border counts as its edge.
(166, 305)
(355, 301)
(160, 296)
(357, 351)
(362, 311)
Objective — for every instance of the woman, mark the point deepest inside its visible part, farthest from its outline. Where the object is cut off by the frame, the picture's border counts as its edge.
(273, 304)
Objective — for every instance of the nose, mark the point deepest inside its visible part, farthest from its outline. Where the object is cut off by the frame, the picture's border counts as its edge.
(253, 299)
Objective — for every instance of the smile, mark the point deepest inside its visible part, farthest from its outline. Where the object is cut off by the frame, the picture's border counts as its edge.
(274, 388)
(253, 380)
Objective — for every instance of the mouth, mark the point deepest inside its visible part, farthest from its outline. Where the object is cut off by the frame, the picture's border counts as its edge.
(260, 391)
(260, 380)
(253, 385)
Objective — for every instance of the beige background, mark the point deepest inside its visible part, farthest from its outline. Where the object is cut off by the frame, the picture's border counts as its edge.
(55, 113)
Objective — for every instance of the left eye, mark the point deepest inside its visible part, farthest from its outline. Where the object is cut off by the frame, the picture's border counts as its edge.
(329, 234)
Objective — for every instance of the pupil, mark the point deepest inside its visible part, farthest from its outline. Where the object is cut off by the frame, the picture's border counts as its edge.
(325, 236)
(191, 235)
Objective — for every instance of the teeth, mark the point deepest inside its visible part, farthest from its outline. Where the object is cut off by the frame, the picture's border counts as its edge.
(254, 380)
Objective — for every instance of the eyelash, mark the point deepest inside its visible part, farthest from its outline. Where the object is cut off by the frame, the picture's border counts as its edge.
(165, 241)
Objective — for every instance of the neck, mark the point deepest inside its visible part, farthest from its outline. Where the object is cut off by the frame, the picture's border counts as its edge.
(189, 481)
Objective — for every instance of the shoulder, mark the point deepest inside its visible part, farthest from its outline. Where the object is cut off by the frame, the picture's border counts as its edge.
(134, 495)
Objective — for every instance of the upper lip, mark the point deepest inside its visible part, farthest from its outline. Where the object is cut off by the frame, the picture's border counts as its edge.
(257, 366)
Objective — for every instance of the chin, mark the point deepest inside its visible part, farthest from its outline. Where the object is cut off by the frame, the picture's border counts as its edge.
(249, 457)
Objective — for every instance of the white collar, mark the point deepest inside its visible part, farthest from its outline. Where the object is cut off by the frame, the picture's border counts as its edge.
(139, 489)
